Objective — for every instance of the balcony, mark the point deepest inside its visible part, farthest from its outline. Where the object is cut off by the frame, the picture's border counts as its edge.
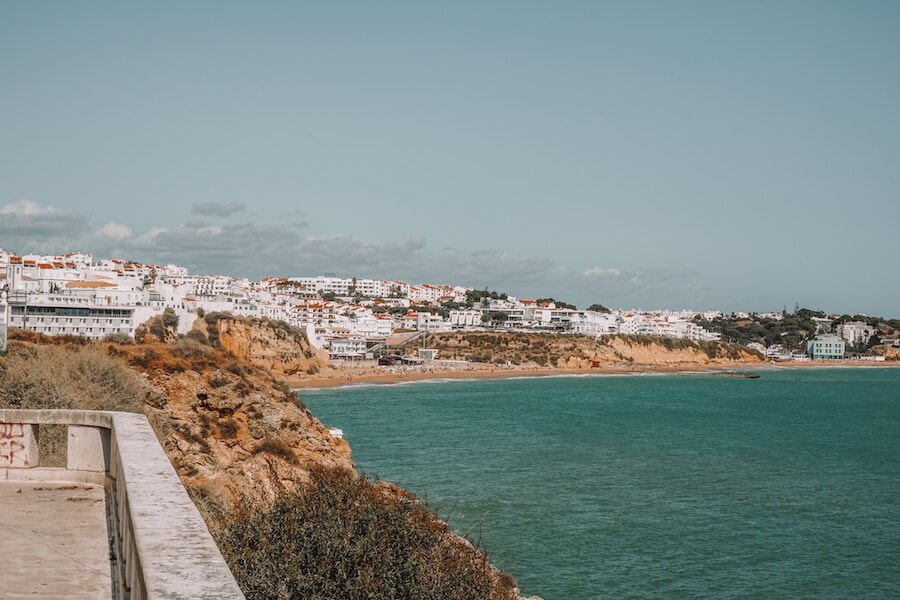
(155, 542)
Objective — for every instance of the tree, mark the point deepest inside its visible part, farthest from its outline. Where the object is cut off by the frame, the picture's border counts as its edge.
(558, 303)
(473, 296)
(598, 308)
(494, 317)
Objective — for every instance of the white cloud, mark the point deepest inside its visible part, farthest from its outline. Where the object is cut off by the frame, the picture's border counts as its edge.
(116, 231)
(27, 208)
(255, 250)
(602, 272)
(29, 226)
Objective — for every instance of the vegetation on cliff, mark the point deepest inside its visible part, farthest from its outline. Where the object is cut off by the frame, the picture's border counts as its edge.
(278, 492)
(65, 372)
(343, 536)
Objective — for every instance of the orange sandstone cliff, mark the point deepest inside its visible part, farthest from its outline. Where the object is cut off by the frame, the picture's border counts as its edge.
(578, 351)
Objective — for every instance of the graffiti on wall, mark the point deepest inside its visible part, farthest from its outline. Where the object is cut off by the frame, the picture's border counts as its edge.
(13, 445)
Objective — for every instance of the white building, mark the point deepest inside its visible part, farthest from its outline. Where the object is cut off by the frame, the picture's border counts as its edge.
(825, 347)
(465, 319)
(855, 332)
(778, 352)
(593, 323)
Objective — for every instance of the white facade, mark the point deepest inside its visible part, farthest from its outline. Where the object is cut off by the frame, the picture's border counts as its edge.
(465, 319)
(855, 332)
(75, 280)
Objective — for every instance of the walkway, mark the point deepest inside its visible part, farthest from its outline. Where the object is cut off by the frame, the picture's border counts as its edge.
(53, 541)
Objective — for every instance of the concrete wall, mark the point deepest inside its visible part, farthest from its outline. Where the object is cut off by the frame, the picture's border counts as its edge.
(162, 546)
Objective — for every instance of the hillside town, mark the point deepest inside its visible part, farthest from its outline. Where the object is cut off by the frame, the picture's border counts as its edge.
(73, 294)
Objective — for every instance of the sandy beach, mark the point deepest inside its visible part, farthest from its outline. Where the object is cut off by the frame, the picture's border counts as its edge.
(350, 374)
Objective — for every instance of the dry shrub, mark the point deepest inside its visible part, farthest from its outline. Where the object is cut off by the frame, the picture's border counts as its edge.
(277, 448)
(74, 377)
(217, 380)
(80, 377)
(189, 348)
(228, 428)
(343, 537)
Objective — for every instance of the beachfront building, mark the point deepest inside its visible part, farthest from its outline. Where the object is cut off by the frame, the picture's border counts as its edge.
(825, 347)
(778, 352)
(347, 347)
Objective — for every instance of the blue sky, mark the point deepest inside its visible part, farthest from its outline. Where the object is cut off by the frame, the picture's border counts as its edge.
(732, 155)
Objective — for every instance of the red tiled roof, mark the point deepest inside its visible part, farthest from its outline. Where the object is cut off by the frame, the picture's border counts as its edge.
(89, 284)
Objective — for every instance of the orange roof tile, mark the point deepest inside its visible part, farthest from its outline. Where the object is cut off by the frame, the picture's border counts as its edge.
(89, 284)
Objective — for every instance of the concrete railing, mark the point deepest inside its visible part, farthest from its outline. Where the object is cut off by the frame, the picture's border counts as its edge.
(162, 547)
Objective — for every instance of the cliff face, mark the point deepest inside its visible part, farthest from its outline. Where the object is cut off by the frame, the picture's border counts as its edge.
(640, 350)
(233, 435)
(572, 351)
(888, 352)
(239, 437)
(268, 345)
(230, 426)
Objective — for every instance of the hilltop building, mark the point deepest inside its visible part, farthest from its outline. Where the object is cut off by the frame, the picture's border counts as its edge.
(73, 294)
(855, 332)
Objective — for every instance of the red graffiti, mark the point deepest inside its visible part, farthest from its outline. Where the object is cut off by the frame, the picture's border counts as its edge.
(10, 434)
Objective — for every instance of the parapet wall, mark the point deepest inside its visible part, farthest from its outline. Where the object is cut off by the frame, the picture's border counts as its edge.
(162, 547)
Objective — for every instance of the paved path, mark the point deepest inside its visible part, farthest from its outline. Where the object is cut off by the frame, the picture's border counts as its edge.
(53, 541)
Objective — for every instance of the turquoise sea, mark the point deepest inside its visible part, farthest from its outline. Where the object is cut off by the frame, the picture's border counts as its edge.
(668, 486)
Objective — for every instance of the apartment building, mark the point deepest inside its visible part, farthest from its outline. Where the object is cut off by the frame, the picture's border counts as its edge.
(826, 347)
(855, 332)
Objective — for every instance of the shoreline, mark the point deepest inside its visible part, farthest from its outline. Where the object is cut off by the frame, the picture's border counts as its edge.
(347, 375)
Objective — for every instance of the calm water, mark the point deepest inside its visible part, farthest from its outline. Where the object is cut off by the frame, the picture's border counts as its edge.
(787, 486)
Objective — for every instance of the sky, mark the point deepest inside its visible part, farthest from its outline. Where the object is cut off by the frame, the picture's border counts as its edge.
(741, 156)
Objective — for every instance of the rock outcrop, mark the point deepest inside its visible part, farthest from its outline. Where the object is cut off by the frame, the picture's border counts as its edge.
(233, 432)
(272, 345)
(888, 352)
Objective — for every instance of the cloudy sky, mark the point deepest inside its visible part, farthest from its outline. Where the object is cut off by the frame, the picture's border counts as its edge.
(733, 155)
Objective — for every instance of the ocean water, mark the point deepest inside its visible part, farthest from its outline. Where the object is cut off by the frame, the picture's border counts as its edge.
(675, 486)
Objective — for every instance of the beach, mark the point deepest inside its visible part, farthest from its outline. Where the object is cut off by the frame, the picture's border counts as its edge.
(369, 373)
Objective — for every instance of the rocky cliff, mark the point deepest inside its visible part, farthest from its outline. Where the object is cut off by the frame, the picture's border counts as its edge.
(250, 453)
(575, 351)
(272, 345)
(888, 352)
(244, 444)
(230, 428)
